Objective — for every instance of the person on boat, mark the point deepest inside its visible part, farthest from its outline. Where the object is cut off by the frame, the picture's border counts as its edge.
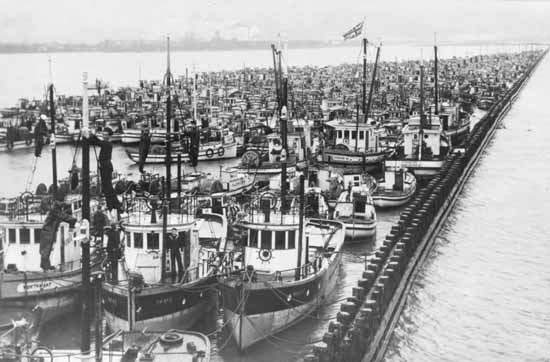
(144, 145)
(99, 221)
(237, 232)
(194, 144)
(174, 244)
(114, 251)
(58, 213)
(40, 132)
(106, 171)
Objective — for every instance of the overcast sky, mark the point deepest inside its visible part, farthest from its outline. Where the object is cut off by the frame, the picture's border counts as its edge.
(96, 20)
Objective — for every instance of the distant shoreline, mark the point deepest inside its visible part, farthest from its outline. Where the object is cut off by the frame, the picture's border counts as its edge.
(221, 45)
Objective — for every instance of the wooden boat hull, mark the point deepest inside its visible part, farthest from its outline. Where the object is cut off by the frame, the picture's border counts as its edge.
(394, 198)
(358, 231)
(205, 154)
(164, 307)
(53, 292)
(269, 311)
(131, 137)
(370, 161)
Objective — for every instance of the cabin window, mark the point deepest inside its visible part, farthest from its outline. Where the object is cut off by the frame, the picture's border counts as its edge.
(279, 239)
(24, 236)
(354, 134)
(37, 233)
(266, 239)
(346, 134)
(339, 134)
(11, 236)
(292, 239)
(253, 239)
(152, 241)
(138, 240)
(361, 135)
(128, 239)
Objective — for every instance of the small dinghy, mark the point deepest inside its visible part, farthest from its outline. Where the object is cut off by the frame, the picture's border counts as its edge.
(397, 188)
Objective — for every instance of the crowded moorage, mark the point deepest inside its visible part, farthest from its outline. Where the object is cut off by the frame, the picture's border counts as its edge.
(321, 150)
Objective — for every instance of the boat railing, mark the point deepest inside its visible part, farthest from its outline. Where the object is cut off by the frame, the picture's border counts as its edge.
(292, 274)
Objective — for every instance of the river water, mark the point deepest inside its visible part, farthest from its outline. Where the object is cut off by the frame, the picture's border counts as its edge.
(482, 295)
(484, 292)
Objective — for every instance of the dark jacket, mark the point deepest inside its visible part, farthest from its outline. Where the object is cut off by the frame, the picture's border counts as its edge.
(49, 230)
(173, 242)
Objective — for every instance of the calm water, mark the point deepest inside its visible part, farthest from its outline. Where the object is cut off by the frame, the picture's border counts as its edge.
(484, 293)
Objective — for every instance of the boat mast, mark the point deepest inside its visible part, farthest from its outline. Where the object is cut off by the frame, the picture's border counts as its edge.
(436, 85)
(364, 84)
(86, 321)
(421, 109)
(168, 160)
(52, 130)
(369, 101)
(300, 230)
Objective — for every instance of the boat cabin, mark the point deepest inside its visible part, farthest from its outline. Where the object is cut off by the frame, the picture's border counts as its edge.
(144, 243)
(344, 135)
(20, 246)
(431, 138)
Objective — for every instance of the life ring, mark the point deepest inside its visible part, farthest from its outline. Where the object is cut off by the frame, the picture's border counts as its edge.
(265, 255)
(171, 338)
(9, 145)
(221, 151)
(346, 140)
(209, 153)
(28, 141)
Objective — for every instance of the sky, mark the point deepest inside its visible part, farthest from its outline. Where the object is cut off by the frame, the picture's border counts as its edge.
(92, 21)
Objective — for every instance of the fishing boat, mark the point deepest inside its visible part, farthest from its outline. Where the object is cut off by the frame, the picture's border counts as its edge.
(352, 144)
(286, 269)
(224, 147)
(148, 294)
(334, 180)
(24, 285)
(396, 189)
(355, 209)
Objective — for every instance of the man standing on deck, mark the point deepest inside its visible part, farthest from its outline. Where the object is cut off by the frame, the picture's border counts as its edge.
(114, 251)
(173, 244)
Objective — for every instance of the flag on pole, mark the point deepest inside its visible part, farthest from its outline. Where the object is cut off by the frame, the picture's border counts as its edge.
(354, 32)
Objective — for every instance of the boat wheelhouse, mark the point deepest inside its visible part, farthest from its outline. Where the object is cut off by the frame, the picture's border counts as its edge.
(423, 150)
(353, 144)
